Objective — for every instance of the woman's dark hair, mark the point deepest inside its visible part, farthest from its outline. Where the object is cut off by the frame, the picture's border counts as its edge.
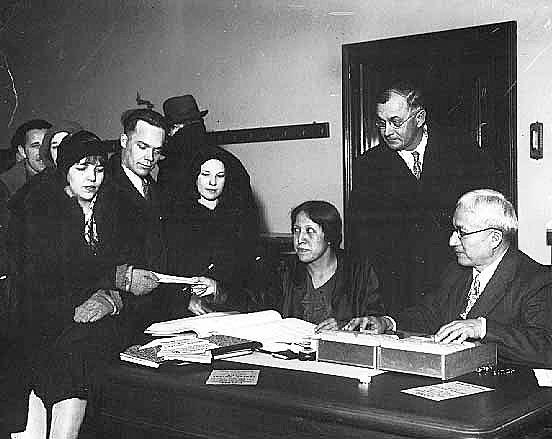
(325, 215)
(233, 195)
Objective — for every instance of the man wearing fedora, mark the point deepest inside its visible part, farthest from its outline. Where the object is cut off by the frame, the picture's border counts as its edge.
(186, 135)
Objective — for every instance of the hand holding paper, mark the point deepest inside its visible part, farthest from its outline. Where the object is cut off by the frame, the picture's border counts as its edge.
(203, 286)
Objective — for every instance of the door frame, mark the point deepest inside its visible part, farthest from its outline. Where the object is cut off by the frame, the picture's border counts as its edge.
(352, 147)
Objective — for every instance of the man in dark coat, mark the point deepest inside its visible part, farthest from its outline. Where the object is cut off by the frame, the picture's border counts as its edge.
(404, 193)
(139, 199)
(493, 292)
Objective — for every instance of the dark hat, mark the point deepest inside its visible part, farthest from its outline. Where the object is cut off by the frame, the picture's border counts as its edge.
(74, 147)
(65, 126)
(180, 109)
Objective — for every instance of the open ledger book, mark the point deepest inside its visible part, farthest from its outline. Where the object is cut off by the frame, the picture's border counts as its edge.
(263, 326)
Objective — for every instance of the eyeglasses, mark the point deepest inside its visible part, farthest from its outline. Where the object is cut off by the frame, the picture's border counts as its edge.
(382, 124)
(461, 234)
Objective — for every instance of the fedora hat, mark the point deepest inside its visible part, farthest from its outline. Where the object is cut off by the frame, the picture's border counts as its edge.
(180, 109)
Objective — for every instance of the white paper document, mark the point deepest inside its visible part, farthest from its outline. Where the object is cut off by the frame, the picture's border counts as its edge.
(236, 377)
(443, 391)
(544, 377)
(169, 279)
(188, 324)
(263, 326)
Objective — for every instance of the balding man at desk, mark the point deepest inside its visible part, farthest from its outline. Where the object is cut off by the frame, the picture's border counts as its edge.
(494, 293)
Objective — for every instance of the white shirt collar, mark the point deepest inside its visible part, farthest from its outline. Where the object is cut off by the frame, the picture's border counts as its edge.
(409, 158)
(134, 179)
(487, 273)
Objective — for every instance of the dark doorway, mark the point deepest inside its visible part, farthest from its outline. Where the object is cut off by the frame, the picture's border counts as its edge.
(468, 76)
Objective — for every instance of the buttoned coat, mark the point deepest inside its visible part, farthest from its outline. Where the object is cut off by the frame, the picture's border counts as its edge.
(404, 224)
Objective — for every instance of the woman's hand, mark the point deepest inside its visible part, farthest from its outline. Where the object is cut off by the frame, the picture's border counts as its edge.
(143, 282)
(370, 324)
(197, 307)
(203, 286)
(92, 309)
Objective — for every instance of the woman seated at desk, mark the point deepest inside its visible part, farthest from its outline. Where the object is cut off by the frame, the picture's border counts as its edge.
(320, 284)
(211, 232)
(69, 278)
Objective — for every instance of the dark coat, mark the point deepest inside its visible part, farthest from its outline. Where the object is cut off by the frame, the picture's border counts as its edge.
(59, 272)
(517, 303)
(142, 232)
(404, 224)
(356, 292)
(225, 236)
(141, 219)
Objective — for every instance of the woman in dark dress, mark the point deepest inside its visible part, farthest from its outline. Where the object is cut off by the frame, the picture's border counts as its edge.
(319, 283)
(212, 231)
(74, 283)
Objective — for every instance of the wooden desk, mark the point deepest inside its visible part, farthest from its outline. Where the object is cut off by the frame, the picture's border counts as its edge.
(139, 402)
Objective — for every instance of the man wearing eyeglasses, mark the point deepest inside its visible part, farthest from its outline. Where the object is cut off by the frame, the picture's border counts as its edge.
(404, 193)
(493, 292)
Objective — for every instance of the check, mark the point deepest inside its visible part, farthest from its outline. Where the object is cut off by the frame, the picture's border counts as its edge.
(169, 279)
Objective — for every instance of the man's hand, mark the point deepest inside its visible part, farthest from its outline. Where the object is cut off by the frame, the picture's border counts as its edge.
(203, 286)
(143, 282)
(370, 324)
(197, 307)
(330, 323)
(92, 310)
(459, 330)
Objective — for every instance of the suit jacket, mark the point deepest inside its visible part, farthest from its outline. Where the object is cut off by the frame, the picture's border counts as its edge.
(15, 177)
(517, 303)
(141, 219)
(141, 232)
(404, 224)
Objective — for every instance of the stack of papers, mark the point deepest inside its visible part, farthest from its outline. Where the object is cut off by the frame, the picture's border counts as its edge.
(188, 349)
(266, 327)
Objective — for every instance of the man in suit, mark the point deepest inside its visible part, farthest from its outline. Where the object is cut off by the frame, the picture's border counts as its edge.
(494, 292)
(26, 140)
(404, 192)
(139, 200)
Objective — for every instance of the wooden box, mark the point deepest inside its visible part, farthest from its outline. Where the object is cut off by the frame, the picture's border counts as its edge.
(437, 360)
(412, 354)
(347, 347)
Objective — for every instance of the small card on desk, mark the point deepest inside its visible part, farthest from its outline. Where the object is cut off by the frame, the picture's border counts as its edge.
(236, 377)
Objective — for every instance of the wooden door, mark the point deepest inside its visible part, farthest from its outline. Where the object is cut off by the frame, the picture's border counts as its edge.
(468, 77)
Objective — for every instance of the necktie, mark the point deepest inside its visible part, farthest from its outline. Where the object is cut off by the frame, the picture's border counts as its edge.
(146, 188)
(417, 169)
(473, 295)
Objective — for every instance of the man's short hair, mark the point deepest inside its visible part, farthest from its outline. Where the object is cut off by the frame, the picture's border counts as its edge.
(493, 209)
(413, 95)
(18, 139)
(325, 215)
(130, 118)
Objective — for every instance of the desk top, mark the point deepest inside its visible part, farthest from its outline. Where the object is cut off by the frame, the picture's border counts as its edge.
(310, 402)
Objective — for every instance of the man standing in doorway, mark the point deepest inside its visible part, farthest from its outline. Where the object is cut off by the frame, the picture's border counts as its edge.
(404, 193)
